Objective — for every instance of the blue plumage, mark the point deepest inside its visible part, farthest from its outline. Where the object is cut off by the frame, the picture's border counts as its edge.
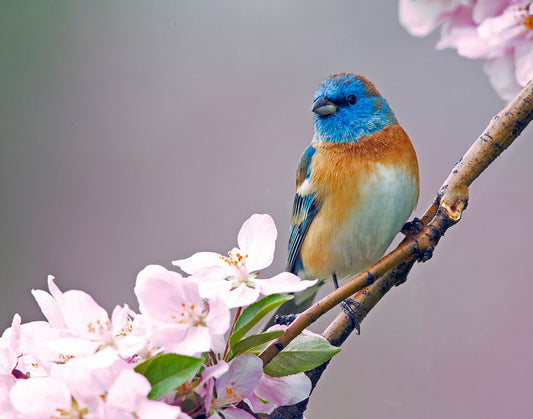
(363, 115)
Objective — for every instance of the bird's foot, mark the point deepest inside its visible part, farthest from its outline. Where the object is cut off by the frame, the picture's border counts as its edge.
(413, 227)
(425, 255)
(285, 319)
(346, 306)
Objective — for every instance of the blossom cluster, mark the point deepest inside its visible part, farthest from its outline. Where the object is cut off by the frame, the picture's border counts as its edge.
(497, 31)
(176, 358)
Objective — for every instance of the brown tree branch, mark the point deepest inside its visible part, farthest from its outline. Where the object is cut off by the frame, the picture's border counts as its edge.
(371, 285)
(504, 128)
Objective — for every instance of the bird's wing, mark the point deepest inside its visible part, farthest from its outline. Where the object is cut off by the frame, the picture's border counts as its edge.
(304, 209)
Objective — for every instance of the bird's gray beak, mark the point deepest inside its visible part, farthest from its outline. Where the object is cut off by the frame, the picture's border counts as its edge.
(324, 106)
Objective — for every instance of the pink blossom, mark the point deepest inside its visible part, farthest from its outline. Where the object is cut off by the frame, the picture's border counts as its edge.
(79, 363)
(234, 277)
(181, 321)
(49, 304)
(232, 386)
(225, 385)
(82, 319)
(43, 346)
(23, 341)
(499, 32)
(88, 379)
(75, 311)
(99, 386)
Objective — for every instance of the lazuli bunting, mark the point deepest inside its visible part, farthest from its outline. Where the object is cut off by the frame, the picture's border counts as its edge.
(356, 183)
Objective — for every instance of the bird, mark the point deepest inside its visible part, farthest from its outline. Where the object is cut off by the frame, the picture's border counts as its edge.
(357, 183)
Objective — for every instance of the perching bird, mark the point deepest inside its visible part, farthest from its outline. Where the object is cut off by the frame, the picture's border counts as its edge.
(356, 184)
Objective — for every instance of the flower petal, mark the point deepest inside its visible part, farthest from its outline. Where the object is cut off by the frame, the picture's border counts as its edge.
(282, 283)
(127, 389)
(161, 292)
(501, 72)
(284, 391)
(241, 296)
(209, 288)
(88, 378)
(40, 397)
(214, 371)
(524, 63)
(243, 374)
(155, 409)
(7, 411)
(83, 316)
(257, 239)
(487, 8)
(218, 318)
(198, 261)
(184, 341)
(8, 360)
(50, 308)
(421, 17)
(15, 335)
(53, 288)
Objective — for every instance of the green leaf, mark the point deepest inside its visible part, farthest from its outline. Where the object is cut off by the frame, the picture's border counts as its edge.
(252, 314)
(251, 341)
(168, 371)
(301, 354)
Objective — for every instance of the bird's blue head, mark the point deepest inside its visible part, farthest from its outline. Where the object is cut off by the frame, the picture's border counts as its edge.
(347, 108)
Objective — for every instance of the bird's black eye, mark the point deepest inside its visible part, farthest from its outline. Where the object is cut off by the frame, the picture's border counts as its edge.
(351, 99)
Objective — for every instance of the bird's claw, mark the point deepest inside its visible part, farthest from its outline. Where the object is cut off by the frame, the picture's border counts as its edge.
(285, 319)
(426, 254)
(413, 227)
(346, 306)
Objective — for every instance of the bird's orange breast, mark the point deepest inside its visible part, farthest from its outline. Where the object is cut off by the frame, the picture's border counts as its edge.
(346, 177)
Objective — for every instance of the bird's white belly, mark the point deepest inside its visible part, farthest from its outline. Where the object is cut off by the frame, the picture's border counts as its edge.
(385, 203)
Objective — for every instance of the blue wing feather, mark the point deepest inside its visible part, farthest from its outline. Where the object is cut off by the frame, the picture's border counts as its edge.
(305, 207)
(304, 210)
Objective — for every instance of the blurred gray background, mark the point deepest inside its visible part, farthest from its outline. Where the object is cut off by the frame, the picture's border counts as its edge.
(141, 132)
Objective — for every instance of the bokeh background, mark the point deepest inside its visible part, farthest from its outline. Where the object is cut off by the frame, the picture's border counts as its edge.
(140, 132)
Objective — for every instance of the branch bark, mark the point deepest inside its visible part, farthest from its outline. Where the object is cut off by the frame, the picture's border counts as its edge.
(371, 285)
